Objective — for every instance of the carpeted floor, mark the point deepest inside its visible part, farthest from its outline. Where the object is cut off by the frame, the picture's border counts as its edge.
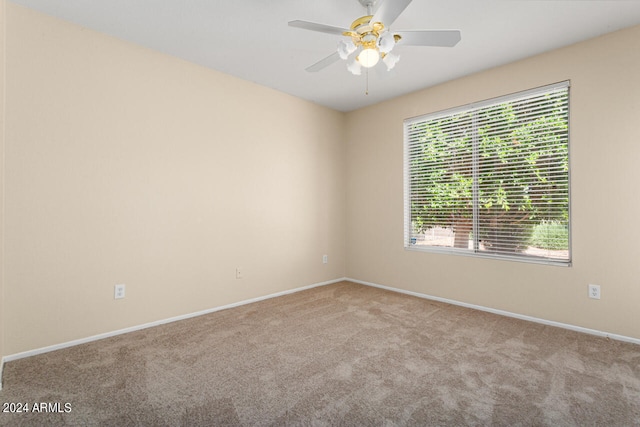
(343, 354)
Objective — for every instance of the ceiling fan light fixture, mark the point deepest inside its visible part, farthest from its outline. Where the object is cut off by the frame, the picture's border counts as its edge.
(390, 60)
(346, 48)
(371, 39)
(368, 57)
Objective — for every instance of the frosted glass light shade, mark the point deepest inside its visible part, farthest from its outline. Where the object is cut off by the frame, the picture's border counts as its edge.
(390, 60)
(386, 42)
(368, 58)
(354, 67)
(345, 48)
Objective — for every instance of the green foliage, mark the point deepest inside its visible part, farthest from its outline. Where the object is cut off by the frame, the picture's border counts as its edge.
(550, 235)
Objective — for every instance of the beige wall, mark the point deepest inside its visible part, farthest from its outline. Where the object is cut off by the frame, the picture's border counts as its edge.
(605, 149)
(124, 165)
(2, 115)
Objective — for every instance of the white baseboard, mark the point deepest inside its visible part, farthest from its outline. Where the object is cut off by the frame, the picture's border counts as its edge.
(42, 350)
(504, 313)
(152, 324)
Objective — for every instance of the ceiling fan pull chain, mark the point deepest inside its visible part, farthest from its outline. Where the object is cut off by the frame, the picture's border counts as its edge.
(367, 73)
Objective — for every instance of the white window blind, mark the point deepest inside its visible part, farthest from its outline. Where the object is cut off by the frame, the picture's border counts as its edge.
(492, 178)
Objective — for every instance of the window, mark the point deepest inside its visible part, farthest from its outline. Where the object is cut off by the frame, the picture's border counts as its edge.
(491, 179)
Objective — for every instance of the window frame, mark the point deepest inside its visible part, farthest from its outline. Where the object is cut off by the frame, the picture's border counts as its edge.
(469, 108)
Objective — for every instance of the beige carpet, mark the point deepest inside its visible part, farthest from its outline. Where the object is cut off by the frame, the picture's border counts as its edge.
(342, 354)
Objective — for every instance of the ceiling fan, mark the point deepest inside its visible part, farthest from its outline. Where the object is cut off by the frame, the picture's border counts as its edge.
(371, 39)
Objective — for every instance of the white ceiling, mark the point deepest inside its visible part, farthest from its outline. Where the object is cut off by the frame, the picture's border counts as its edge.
(250, 39)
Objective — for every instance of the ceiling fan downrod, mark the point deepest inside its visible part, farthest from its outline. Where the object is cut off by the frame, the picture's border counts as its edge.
(368, 4)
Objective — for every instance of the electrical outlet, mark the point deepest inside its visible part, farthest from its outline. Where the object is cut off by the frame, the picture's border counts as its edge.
(118, 292)
(594, 291)
(325, 259)
(238, 273)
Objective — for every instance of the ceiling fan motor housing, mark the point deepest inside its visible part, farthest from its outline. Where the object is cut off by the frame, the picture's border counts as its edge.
(364, 32)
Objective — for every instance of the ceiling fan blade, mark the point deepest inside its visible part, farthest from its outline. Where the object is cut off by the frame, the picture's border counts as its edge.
(313, 26)
(441, 38)
(323, 63)
(389, 10)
